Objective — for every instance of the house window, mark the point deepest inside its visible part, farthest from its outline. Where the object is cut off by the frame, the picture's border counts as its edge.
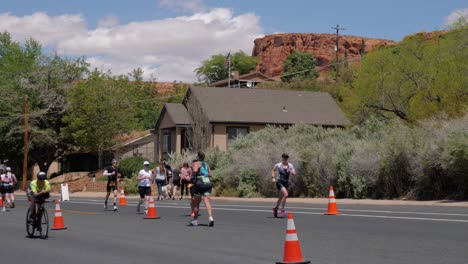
(235, 132)
(166, 147)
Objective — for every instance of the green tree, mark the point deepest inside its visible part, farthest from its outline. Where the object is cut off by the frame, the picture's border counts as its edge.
(213, 69)
(25, 71)
(299, 65)
(424, 75)
(101, 108)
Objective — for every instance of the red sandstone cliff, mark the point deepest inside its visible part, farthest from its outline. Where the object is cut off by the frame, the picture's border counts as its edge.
(272, 50)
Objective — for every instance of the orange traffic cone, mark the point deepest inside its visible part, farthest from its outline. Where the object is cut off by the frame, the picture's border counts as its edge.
(1, 200)
(58, 219)
(292, 248)
(152, 214)
(332, 208)
(123, 200)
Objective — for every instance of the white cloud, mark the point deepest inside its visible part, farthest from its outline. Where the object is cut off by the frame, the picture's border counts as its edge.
(455, 15)
(183, 5)
(170, 49)
(44, 28)
(109, 21)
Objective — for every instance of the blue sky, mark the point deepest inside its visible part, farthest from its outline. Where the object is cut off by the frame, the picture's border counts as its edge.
(109, 32)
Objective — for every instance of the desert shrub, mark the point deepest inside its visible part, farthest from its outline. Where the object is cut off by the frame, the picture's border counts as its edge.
(131, 184)
(376, 159)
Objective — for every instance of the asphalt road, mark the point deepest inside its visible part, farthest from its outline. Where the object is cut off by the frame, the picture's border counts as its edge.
(244, 232)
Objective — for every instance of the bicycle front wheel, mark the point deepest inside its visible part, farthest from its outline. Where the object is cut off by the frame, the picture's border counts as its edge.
(30, 228)
(44, 222)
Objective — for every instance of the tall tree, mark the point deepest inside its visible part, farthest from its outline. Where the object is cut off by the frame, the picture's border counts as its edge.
(101, 108)
(299, 65)
(25, 71)
(214, 69)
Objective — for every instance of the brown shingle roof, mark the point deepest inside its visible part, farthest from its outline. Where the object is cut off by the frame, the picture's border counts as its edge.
(234, 105)
(176, 114)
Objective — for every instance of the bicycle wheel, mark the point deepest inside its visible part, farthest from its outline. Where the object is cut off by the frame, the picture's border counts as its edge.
(44, 224)
(30, 228)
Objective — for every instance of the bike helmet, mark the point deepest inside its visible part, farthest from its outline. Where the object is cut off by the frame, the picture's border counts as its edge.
(41, 175)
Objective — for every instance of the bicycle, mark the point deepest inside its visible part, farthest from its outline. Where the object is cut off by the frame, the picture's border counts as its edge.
(40, 222)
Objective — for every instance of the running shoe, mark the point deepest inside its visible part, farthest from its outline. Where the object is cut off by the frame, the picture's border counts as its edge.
(105, 205)
(12, 205)
(211, 221)
(115, 208)
(146, 211)
(193, 222)
(283, 213)
(3, 210)
(275, 212)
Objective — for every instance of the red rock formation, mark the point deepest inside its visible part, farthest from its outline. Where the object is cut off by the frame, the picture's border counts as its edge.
(272, 50)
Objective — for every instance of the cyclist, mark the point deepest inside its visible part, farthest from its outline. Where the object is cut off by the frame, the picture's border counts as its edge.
(284, 169)
(112, 173)
(40, 191)
(7, 181)
(203, 186)
(145, 177)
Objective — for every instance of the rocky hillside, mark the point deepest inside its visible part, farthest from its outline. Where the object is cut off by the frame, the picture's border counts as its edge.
(272, 50)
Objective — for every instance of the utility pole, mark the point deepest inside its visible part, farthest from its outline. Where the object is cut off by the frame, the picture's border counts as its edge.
(336, 47)
(25, 159)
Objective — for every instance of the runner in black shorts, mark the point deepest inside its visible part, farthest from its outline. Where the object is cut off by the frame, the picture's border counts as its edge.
(282, 183)
(112, 174)
(202, 187)
(145, 177)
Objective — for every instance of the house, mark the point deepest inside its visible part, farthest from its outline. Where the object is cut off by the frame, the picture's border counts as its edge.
(136, 144)
(249, 80)
(221, 115)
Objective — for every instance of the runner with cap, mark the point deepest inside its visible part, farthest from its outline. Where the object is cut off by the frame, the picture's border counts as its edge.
(112, 174)
(284, 169)
(145, 177)
(7, 188)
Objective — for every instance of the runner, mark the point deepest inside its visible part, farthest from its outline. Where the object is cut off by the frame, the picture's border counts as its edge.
(284, 169)
(144, 185)
(203, 186)
(8, 180)
(112, 173)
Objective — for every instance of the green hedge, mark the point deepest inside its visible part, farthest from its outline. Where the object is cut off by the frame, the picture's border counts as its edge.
(131, 166)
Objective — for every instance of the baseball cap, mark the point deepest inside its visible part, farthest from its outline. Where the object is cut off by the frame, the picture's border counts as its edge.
(8, 169)
(146, 163)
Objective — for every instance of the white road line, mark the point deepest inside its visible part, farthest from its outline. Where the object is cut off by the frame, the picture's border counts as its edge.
(296, 212)
(244, 208)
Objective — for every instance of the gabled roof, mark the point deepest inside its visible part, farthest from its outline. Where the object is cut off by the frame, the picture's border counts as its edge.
(173, 115)
(253, 76)
(234, 105)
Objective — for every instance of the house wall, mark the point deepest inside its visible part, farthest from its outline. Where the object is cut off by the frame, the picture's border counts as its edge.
(220, 137)
(142, 148)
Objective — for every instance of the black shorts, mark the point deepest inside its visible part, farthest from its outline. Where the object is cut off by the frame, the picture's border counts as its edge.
(176, 182)
(192, 190)
(144, 190)
(203, 189)
(6, 189)
(282, 183)
(110, 188)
